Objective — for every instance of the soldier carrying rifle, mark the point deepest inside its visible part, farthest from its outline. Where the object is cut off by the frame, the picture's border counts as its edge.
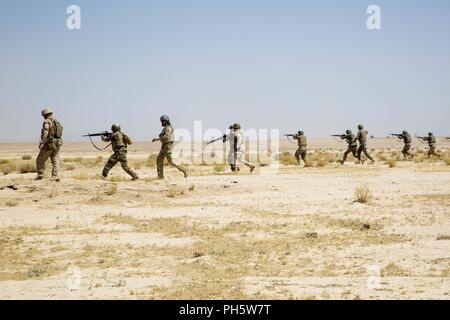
(406, 137)
(431, 143)
(350, 138)
(119, 142)
(302, 144)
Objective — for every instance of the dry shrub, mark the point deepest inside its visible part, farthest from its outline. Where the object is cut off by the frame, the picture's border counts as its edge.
(392, 163)
(363, 194)
(119, 179)
(4, 161)
(112, 189)
(151, 160)
(220, 167)
(288, 158)
(69, 167)
(6, 169)
(321, 163)
(82, 176)
(447, 161)
(99, 159)
(27, 167)
(26, 157)
(174, 191)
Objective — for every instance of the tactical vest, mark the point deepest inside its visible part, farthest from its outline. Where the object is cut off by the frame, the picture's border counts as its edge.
(407, 138)
(163, 133)
(117, 141)
(362, 136)
(301, 141)
(432, 140)
(351, 140)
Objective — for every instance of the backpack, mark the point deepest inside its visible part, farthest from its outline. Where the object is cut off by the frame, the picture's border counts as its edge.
(57, 129)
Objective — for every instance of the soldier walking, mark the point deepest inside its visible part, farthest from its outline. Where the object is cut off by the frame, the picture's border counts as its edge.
(119, 142)
(167, 140)
(301, 151)
(431, 143)
(239, 148)
(49, 145)
(352, 146)
(362, 138)
(231, 152)
(406, 137)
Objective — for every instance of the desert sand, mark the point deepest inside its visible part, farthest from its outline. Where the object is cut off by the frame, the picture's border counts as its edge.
(284, 232)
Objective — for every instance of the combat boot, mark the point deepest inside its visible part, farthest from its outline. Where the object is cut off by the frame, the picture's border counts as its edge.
(252, 167)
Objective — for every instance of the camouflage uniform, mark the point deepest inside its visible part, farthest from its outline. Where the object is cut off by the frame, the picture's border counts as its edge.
(166, 137)
(49, 147)
(432, 144)
(119, 142)
(301, 151)
(239, 148)
(352, 146)
(406, 137)
(362, 138)
(232, 139)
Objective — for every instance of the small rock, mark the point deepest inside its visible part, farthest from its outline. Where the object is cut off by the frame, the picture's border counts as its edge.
(312, 235)
(198, 254)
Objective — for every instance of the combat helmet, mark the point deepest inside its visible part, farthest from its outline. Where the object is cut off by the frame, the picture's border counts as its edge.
(115, 127)
(430, 133)
(404, 132)
(360, 127)
(46, 111)
(164, 119)
(236, 126)
(348, 131)
(300, 133)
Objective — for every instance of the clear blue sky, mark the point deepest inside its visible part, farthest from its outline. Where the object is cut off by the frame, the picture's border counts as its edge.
(310, 65)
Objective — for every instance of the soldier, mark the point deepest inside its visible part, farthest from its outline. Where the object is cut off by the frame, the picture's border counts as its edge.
(432, 144)
(231, 152)
(119, 142)
(406, 137)
(49, 145)
(239, 148)
(352, 146)
(166, 138)
(301, 151)
(362, 138)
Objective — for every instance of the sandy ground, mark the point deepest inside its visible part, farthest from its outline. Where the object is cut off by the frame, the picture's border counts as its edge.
(283, 232)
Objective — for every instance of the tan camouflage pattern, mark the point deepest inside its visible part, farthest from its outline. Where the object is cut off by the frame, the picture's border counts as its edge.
(120, 155)
(44, 154)
(166, 153)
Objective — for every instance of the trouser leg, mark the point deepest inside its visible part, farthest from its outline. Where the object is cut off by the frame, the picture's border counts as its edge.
(160, 164)
(55, 163)
(42, 157)
(112, 161)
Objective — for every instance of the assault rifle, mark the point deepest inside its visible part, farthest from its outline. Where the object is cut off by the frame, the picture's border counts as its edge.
(100, 134)
(225, 136)
(398, 135)
(290, 136)
(342, 136)
(104, 133)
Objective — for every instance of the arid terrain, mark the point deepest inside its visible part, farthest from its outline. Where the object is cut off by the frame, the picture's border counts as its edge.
(325, 231)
